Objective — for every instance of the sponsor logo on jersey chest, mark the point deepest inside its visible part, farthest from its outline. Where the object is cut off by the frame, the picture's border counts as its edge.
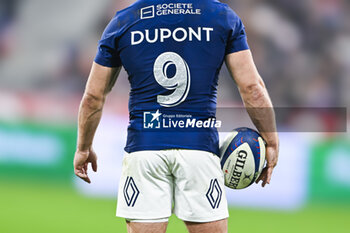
(169, 9)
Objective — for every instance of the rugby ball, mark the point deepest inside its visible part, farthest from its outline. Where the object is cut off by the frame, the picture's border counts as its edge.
(242, 155)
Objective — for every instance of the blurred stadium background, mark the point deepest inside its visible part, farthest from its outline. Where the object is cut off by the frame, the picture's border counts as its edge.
(302, 49)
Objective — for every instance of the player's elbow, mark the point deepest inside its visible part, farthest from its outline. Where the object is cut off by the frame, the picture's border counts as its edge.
(92, 101)
(254, 92)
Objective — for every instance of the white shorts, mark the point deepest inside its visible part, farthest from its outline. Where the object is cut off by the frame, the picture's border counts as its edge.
(188, 182)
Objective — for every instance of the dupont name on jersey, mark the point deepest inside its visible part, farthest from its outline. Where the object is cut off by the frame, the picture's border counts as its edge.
(179, 35)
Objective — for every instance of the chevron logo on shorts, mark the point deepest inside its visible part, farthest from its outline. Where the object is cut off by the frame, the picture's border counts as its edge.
(214, 193)
(131, 192)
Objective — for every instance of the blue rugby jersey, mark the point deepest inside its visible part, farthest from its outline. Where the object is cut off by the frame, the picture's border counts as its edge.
(173, 52)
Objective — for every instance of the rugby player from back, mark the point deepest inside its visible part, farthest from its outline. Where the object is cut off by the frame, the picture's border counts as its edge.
(173, 52)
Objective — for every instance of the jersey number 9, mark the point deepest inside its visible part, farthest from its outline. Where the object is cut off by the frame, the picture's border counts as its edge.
(180, 82)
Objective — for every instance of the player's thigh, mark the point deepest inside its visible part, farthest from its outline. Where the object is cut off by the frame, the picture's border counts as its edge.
(146, 186)
(219, 226)
(138, 227)
(199, 191)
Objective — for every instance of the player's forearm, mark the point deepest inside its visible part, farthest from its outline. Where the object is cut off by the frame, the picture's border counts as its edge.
(260, 110)
(90, 113)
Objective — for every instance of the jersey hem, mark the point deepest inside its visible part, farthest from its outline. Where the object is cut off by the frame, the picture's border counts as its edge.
(143, 148)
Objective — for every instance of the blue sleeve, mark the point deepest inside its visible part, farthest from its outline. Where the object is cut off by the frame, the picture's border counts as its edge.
(107, 53)
(237, 39)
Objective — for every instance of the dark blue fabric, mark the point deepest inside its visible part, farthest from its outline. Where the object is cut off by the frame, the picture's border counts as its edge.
(204, 59)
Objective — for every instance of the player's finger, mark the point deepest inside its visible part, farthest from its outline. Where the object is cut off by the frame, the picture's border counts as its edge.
(262, 175)
(93, 160)
(85, 168)
(259, 178)
(82, 175)
(86, 179)
(264, 180)
(269, 174)
(94, 165)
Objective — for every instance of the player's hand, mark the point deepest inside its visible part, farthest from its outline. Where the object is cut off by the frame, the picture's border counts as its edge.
(271, 158)
(81, 161)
